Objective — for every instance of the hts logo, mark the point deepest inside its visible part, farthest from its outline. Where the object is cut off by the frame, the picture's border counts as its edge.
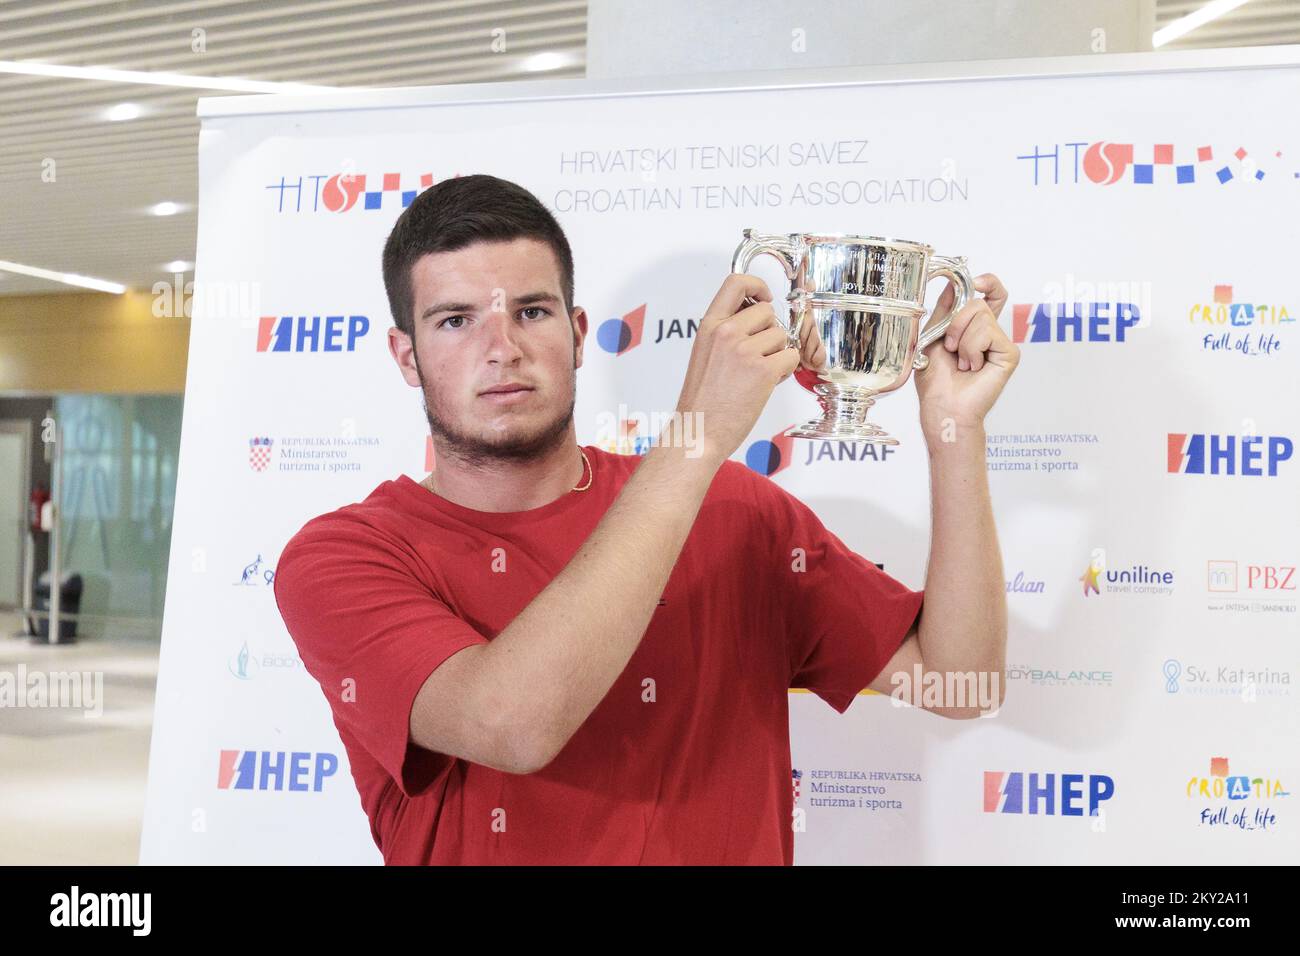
(1106, 163)
(1186, 454)
(303, 333)
(265, 770)
(1018, 792)
(341, 192)
(1064, 322)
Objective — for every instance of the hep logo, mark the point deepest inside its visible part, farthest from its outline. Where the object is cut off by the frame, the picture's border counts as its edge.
(1224, 454)
(1034, 322)
(621, 335)
(767, 456)
(303, 333)
(1040, 795)
(269, 770)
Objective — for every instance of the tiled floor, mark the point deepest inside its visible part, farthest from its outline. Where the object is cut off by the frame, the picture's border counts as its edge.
(72, 782)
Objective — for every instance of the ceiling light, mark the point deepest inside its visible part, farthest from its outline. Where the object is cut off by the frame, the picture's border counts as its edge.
(67, 278)
(156, 78)
(165, 209)
(178, 265)
(1184, 25)
(123, 111)
(541, 62)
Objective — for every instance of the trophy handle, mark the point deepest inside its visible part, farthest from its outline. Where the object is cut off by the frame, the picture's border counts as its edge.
(788, 250)
(954, 269)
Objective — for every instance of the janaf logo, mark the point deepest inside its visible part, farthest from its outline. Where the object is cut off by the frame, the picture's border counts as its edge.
(620, 335)
(767, 456)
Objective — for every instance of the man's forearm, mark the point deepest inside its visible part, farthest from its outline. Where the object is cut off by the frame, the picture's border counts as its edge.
(559, 657)
(964, 621)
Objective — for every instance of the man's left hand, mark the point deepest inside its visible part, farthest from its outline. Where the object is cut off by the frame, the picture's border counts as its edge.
(970, 365)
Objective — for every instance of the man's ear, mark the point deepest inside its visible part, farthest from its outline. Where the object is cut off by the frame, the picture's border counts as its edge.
(402, 349)
(579, 319)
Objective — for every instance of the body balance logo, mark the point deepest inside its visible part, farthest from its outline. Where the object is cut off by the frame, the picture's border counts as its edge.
(1106, 164)
(1039, 794)
(345, 191)
(275, 770)
(310, 333)
(1246, 455)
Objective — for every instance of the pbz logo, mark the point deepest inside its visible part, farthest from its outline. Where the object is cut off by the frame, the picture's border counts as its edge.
(306, 333)
(1226, 454)
(1064, 322)
(1037, 794)
(269, 770)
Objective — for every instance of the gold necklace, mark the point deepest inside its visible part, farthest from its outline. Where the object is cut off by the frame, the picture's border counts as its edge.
(590, 474)
(428, 482)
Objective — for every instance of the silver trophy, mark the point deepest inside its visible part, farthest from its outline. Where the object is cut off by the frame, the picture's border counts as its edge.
(864, 297)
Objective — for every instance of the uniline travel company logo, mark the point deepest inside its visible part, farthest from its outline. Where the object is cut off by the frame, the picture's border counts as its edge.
(345, 191)
(1136, 579)
(1162, 164)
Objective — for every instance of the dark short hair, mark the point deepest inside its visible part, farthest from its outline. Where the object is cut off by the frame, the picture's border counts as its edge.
(456, 213)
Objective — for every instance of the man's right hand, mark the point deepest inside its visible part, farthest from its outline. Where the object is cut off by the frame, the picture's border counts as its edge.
(740, 355)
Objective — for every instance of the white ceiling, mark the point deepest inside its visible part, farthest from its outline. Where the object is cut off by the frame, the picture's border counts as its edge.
(93, 218)
(1256, 23)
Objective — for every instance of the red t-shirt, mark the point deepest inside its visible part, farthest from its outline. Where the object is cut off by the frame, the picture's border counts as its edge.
(377, 594)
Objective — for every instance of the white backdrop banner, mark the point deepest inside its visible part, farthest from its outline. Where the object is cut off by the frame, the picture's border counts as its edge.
(1142, 460)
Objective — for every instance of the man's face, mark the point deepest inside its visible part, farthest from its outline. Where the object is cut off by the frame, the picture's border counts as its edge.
(489, 315)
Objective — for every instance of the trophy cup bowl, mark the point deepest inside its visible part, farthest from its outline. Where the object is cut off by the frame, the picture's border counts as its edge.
(863, 297)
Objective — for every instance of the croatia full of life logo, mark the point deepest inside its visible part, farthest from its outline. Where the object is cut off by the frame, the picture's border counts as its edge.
(1251, 798)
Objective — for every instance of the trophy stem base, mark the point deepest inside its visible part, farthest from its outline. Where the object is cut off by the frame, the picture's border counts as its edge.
(844, 418)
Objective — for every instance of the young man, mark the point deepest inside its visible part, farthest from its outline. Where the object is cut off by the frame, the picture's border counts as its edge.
(546, 653)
